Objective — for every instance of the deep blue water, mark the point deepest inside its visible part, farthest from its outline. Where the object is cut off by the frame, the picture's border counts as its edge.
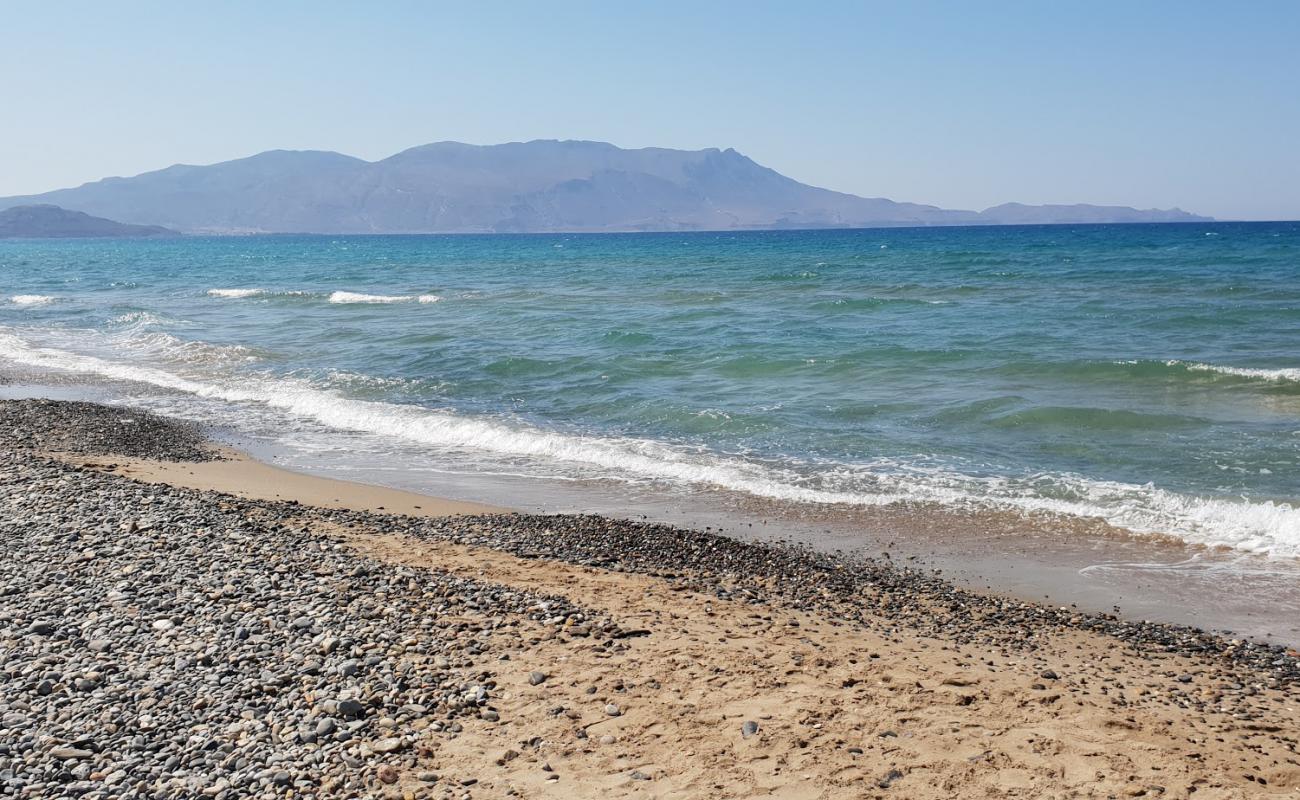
(1145, 374)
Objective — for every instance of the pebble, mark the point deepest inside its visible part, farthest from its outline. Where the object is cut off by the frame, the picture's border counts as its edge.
(225, 616)
(389, 745)
(888, 779)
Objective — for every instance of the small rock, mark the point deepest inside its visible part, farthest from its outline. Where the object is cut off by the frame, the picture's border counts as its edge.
(389, 745)
(613, 710)
(386, 773)
(888, 779)
(69, 753)
(748, 729)
(351, 708)
(535, 677)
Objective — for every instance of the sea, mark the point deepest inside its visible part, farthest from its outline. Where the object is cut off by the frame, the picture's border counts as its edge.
(1141, 378)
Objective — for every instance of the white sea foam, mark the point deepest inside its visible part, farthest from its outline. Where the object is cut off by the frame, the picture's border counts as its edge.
(204, 370)
(429, 298)
(357, 297)
(235, 293)
(1282, 374)
(137, 319)
(31, 299)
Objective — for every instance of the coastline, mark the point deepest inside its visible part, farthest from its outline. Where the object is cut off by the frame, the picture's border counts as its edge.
(1055, 561)
(240, 474)
(681, 663)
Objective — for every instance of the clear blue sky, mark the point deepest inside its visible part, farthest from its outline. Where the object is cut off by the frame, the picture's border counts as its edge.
(962, 104)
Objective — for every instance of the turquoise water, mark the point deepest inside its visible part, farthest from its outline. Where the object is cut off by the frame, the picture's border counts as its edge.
(1148, 375)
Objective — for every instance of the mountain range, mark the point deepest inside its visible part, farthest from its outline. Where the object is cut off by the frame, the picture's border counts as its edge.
(537, 186)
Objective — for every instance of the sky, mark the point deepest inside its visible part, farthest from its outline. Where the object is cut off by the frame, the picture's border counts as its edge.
(958, 104)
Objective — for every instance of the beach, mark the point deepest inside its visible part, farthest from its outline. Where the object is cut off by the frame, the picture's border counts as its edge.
(164, 636)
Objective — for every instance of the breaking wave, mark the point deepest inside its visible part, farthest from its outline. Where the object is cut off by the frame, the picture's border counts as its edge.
(219, 373)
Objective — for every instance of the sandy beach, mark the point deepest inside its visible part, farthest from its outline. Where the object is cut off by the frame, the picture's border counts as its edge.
(178, 620)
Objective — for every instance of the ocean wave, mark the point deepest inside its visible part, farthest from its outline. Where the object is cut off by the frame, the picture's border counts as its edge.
(238, 294)
(1257, 526)
(357, 297)
(235, 293)
(1274, 375)
(869, 303)
(1162, 371)
(32, 299)
(137, 319)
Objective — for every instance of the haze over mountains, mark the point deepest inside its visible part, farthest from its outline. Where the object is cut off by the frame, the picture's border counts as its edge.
(538, 186)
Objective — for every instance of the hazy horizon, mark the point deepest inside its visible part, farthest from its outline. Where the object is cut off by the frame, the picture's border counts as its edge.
(1160, 106)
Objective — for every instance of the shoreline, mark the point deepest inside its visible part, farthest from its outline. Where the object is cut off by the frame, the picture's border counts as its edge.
(239, 473)
(399, 655)
(1063, 562)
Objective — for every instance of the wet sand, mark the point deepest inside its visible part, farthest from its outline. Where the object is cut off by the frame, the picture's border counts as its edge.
(239, 474)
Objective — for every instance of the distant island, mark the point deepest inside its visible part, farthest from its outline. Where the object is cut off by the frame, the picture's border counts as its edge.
(46, 221)
(522, 187)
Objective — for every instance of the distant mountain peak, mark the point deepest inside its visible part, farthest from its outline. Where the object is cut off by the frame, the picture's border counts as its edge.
(543, 185)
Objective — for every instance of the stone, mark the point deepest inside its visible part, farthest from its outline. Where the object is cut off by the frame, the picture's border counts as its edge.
(389, 745)
(351, 708)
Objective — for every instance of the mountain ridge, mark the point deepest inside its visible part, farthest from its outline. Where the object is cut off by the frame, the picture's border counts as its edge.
(45, 221)
(543, 185)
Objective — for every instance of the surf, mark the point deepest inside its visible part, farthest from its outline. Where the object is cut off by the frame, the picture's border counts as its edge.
(1266, 527)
